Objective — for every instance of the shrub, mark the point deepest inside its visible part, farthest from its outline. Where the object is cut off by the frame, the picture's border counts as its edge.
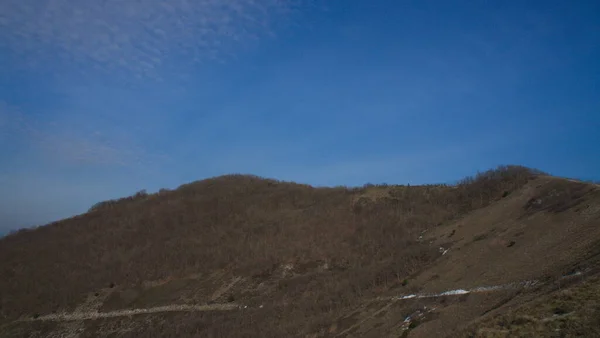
(413, 324)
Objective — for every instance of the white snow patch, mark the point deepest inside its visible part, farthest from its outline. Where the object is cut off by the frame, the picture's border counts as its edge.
(513, 285)
(487, 288)
(576, 273)
(524, 284)
(408, 296)
(454, 292)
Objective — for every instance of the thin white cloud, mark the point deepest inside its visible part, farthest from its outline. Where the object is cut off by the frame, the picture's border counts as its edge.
(66, 143)
(80, 149)
(139, 36)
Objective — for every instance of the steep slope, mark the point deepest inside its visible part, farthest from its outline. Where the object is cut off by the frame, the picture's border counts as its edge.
(243, 256)
(500, 257)
(571, 310)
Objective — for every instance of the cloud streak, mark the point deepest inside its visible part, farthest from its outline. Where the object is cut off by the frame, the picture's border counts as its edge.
(142, 37)
(70, 144)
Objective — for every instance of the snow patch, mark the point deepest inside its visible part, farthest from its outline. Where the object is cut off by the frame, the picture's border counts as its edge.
(454, 292)
(487, 288)
(573, 274)
(524, 284)
(408, 296)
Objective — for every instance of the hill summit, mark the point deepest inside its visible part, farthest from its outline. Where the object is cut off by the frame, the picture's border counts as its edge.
(507, 252)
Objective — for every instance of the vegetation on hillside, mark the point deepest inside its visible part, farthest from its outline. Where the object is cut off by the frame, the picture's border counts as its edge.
(249, 226)
(569, 312)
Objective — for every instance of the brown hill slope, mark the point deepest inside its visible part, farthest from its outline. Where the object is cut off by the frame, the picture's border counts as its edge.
(299, 260)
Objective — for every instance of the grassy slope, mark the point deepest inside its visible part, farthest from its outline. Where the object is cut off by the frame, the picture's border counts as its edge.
(571, 311)
(312, 256)
(547, 229)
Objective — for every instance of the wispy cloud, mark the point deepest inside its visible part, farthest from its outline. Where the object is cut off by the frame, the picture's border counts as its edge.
(142, 37)
(69, 146)
(66, 143)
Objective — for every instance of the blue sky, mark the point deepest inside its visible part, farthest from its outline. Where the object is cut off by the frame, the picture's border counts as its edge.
(99, 99)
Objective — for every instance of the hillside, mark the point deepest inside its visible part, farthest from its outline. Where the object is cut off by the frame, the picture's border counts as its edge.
(243, 256)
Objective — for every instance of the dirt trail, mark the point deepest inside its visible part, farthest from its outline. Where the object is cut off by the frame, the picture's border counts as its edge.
(86, 311)
(74, 328)
(224, 289)
(72, 324)
(364, 320)
(78, 316)
(458, 292)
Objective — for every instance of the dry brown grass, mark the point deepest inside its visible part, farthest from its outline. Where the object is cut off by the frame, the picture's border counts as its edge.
(247, 226)
(572, 311)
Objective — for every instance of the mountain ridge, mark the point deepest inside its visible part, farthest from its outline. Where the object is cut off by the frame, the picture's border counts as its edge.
(308, 256)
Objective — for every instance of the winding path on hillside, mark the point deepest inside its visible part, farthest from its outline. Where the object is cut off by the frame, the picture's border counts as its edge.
(76, 316)
(72, 324)
(81, 314)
